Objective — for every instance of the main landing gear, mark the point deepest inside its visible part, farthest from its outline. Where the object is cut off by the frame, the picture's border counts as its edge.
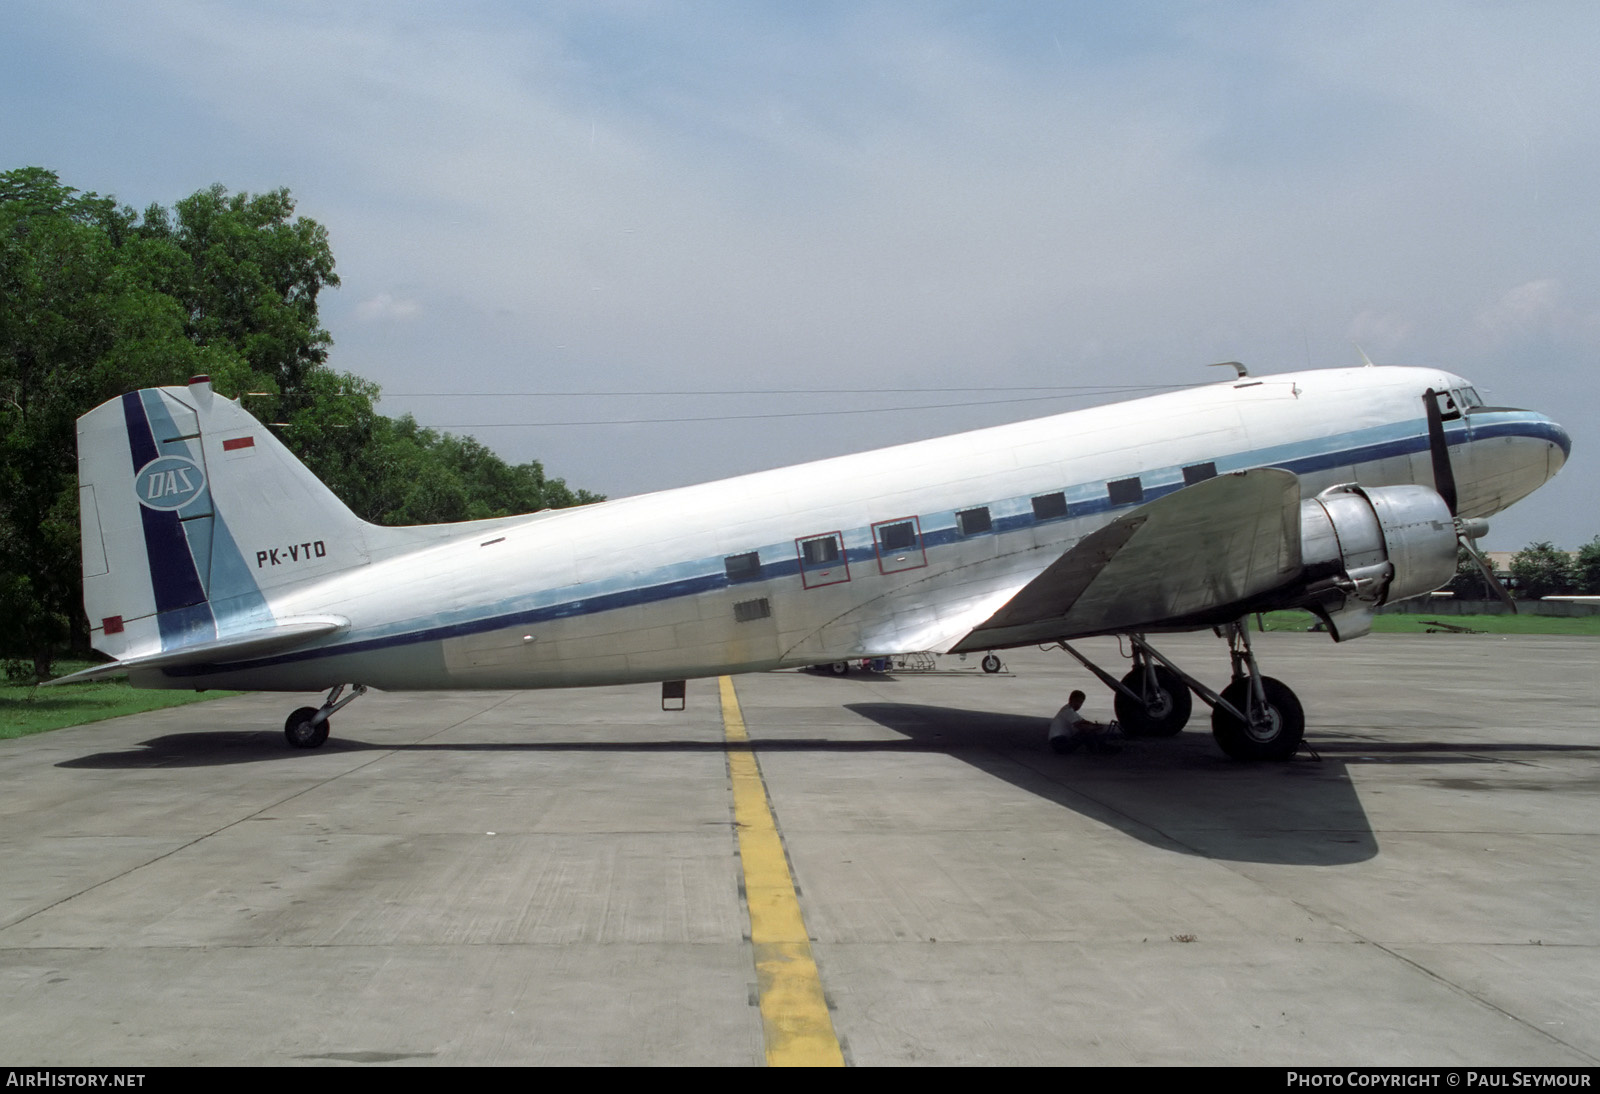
(1255, 717)
(308, 726)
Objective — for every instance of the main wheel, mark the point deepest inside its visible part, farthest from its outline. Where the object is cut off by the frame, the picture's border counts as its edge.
(840, 668)
(301, 733)
(1276, 732)
(991, 663)
(1160, 715)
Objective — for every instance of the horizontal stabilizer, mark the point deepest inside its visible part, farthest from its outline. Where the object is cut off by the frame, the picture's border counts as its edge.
(1178, 560)
(286, 634)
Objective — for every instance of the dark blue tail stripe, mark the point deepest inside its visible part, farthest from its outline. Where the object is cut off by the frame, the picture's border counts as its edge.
(182, 612)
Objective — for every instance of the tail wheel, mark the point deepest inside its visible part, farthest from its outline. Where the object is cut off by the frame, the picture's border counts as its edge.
(1274, 733)
(1162, 713)
(300, 731)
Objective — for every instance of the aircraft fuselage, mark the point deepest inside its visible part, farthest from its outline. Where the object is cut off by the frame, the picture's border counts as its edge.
(873, 554)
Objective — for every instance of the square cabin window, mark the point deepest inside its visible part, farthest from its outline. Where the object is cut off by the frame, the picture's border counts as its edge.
(1199, 472)
(1050, 506)
(900, 536)
(1125, 491)
(970, 522)
(820, 551)
(745, 567)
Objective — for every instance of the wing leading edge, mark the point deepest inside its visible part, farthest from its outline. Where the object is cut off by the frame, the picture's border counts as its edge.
(1184, 559)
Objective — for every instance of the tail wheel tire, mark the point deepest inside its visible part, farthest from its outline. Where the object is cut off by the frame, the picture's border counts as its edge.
(1160, 715)
(301, 733)
(1275, 733)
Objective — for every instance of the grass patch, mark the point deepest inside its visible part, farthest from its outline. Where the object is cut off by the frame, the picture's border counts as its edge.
(1419, 624)
(26, 708)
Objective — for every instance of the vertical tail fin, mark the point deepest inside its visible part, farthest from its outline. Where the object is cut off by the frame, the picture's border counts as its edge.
(193, 513)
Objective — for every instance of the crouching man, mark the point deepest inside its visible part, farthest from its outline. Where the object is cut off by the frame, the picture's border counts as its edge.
(1069, 730)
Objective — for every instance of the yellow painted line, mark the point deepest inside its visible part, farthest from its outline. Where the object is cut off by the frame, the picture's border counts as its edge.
(795, 1023)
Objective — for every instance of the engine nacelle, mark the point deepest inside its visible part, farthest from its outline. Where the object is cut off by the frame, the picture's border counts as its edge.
(1363, 547)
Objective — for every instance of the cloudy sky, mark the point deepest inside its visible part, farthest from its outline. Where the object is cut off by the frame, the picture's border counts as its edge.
(986, 211)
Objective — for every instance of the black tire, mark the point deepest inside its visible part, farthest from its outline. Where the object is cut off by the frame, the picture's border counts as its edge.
(991, 663)
(840, 668)
(1163, 715)
(1277, 739)
(299, 731)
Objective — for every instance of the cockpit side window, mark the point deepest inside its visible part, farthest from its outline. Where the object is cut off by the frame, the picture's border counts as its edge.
(1449, 409)
(1470, 398)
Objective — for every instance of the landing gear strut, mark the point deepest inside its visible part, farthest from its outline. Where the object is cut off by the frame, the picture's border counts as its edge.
(308, 726)
(1160, 704)
(1153, 700)
(1254, 718)
(1259, 717)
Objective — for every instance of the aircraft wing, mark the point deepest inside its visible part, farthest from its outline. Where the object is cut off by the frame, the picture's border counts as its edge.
(1182, 559)
(285, 634)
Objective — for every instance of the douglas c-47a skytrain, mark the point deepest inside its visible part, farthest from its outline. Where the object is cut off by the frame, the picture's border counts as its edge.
(213, 559)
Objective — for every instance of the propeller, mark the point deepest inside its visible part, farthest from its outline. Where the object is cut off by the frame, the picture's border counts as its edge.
(1444, 480)
(1444, 476)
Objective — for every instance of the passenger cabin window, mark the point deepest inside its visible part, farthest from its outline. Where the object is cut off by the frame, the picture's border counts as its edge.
(745, 567)
(823, 549)
(1199, 472)
(899, 544)
(822, 560)
(898, 536)
(1050, 506)
(1125, 491)
(970, 522)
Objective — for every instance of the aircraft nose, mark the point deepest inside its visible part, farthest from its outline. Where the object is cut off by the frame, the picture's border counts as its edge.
(1562, 441)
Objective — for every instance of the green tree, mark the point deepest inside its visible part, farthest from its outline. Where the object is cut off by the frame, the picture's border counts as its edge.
(1540, 569)
(1586, 568)
(249, 277)
(70, 324)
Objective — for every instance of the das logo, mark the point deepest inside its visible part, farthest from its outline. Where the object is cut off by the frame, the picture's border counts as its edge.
(170, 482)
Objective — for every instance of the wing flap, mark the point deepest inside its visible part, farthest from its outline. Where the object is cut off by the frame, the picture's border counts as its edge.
(1181, 557)
(286, 634)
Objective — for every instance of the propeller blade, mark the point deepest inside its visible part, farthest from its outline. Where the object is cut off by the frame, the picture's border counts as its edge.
(1465, 538)
(1444, 476)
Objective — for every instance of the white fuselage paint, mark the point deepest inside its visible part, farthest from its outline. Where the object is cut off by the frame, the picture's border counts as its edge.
(636, 589)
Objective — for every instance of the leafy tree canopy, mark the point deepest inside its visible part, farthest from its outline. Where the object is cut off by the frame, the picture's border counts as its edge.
(1586, 568)
(1540, 569)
